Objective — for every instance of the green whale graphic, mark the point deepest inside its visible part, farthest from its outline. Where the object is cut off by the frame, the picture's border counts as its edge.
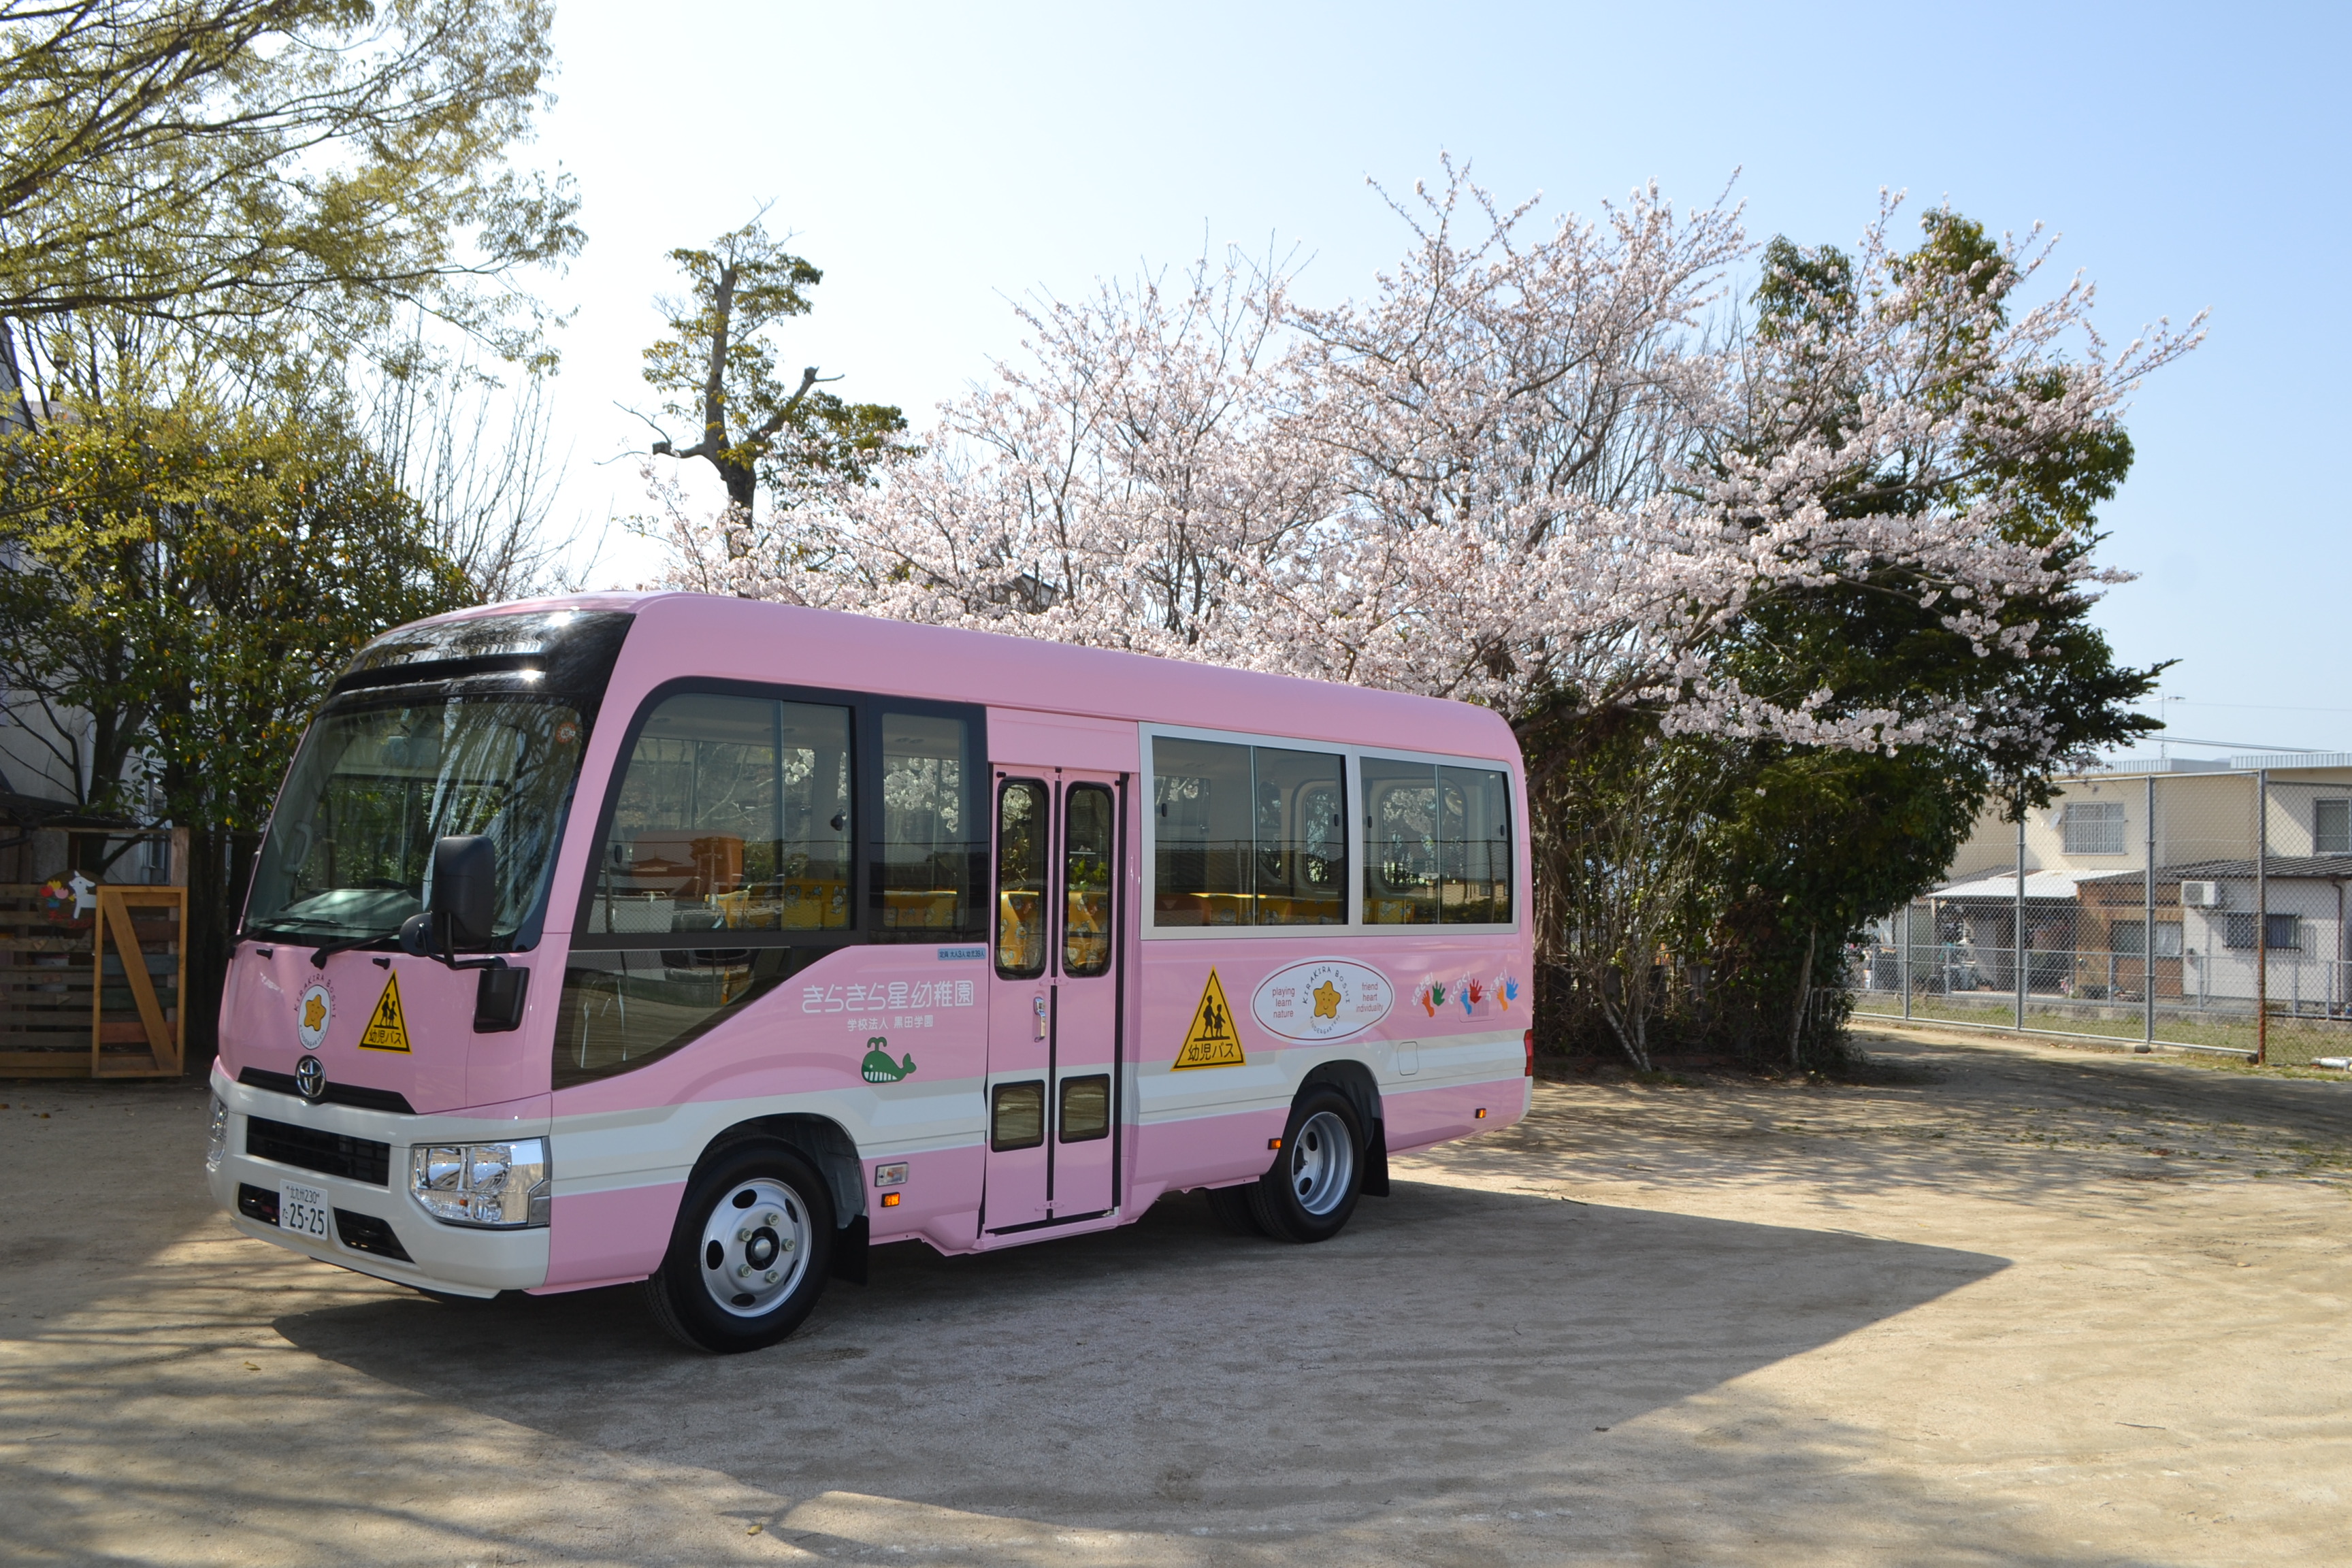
(878, 1068)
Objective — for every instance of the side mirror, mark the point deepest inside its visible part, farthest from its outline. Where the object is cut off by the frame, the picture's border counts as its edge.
(466, 889)
(464, 906)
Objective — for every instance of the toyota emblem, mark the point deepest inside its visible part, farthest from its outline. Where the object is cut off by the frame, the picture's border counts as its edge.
(312, 1079)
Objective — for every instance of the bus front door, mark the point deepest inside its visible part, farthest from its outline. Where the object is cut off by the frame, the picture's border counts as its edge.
(1053, 1069)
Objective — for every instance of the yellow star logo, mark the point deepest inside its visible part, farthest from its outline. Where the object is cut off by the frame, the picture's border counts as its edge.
(1326, 1000)
(314, 1012)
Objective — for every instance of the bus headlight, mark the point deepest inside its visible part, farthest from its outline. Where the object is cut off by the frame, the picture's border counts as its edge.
(216, 1138)
(483, 1183)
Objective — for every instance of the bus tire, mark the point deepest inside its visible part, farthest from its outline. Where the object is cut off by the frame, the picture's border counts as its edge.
(750, 1253)
(1313, 1186)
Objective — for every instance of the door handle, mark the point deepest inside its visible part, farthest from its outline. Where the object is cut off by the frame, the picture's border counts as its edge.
(1041, 1017)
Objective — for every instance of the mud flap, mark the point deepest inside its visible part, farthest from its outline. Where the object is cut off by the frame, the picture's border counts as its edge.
(849, 1247)
(1376, 1159)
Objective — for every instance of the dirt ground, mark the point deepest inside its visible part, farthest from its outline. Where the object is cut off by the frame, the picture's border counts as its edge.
(2004, 1303)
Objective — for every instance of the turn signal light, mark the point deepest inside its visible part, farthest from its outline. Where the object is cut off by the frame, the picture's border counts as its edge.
(890, 1200)
(1273, 1143)
(1482, 1114)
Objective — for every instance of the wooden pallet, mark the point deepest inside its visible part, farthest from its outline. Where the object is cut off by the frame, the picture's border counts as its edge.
(97, 997)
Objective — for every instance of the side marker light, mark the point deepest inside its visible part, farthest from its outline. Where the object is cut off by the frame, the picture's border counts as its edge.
(1482, 1114)
(889, 1200)
(1273, 1143)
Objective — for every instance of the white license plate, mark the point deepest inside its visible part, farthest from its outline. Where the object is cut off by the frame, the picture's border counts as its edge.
(304, 1210)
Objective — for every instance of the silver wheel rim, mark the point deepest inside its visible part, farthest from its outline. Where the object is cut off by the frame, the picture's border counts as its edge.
(1322, 1162)
(755, 1247)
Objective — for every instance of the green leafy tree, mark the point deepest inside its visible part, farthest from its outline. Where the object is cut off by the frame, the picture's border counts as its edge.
(241, 166)
(190, 575)
(720, 371)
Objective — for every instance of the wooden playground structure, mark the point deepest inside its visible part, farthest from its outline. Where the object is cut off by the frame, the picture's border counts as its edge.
(92, 974)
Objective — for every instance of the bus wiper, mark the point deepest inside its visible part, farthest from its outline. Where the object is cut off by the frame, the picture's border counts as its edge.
(353, 944)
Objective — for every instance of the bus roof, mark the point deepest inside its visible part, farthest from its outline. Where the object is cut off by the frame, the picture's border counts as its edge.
(749, 640)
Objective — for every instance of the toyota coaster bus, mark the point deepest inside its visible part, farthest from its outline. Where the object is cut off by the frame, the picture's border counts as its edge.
(708, 944)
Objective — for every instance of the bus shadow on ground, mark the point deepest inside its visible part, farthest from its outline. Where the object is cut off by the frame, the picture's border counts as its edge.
(1452, 1344)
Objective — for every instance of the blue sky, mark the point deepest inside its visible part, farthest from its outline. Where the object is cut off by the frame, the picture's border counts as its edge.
(939, 159)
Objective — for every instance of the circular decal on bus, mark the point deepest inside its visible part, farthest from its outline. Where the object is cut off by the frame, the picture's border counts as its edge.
(312, 1013)
(1322, 999)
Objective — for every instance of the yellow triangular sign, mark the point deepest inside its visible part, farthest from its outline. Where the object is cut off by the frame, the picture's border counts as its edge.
(387, 1028)
(1211, 1041)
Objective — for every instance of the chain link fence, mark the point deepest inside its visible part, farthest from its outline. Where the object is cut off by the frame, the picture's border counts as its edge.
(2203, 910)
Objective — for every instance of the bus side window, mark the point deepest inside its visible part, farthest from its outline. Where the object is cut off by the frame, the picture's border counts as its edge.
(1249, 835)
(733, 814)
(1400, 834)
(1437, 844)
(934, 841)
(1302, 838)
(1021, 823)
(1201, 833)
(1474, 875)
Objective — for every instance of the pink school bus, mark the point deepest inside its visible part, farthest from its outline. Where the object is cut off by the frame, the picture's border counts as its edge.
(709, 943)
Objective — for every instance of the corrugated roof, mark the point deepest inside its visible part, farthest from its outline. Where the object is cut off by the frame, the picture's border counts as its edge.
(2003, 885)
(2295, 868)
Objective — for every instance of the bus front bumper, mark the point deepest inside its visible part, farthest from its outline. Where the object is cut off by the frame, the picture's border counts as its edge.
(372, 1228)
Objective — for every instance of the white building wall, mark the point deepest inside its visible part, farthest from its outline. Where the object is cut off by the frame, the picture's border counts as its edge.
(2314, 972)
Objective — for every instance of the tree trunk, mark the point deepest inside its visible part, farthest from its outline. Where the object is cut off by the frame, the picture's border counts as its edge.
(1797, 1018)
(220, 867)
(742, 484)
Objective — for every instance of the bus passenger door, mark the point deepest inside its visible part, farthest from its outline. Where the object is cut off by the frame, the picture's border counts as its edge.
(1053, 1037)
(1020, 1025)
(1084, 1005)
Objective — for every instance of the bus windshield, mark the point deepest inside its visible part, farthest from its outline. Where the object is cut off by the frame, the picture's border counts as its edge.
(380, 776)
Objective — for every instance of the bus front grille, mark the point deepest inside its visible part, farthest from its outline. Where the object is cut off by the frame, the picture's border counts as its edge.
(330, 1153)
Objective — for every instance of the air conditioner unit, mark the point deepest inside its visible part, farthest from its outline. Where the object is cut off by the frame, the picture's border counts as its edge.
(2200, 895)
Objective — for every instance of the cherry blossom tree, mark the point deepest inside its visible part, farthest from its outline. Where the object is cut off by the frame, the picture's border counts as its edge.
(1127, 486)
(1523, 466)
(1540, 468)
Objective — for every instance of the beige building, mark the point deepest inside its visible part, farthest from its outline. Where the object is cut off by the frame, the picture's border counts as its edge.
(2104, 927)
(2098, 823)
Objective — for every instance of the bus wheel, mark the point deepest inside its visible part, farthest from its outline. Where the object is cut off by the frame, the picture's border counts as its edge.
(750, 1252)
(1313, 1187)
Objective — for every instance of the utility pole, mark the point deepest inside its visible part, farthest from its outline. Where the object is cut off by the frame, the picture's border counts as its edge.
(2261, 917)
(2148, 927)
(2021, 914)
(1907, 956)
